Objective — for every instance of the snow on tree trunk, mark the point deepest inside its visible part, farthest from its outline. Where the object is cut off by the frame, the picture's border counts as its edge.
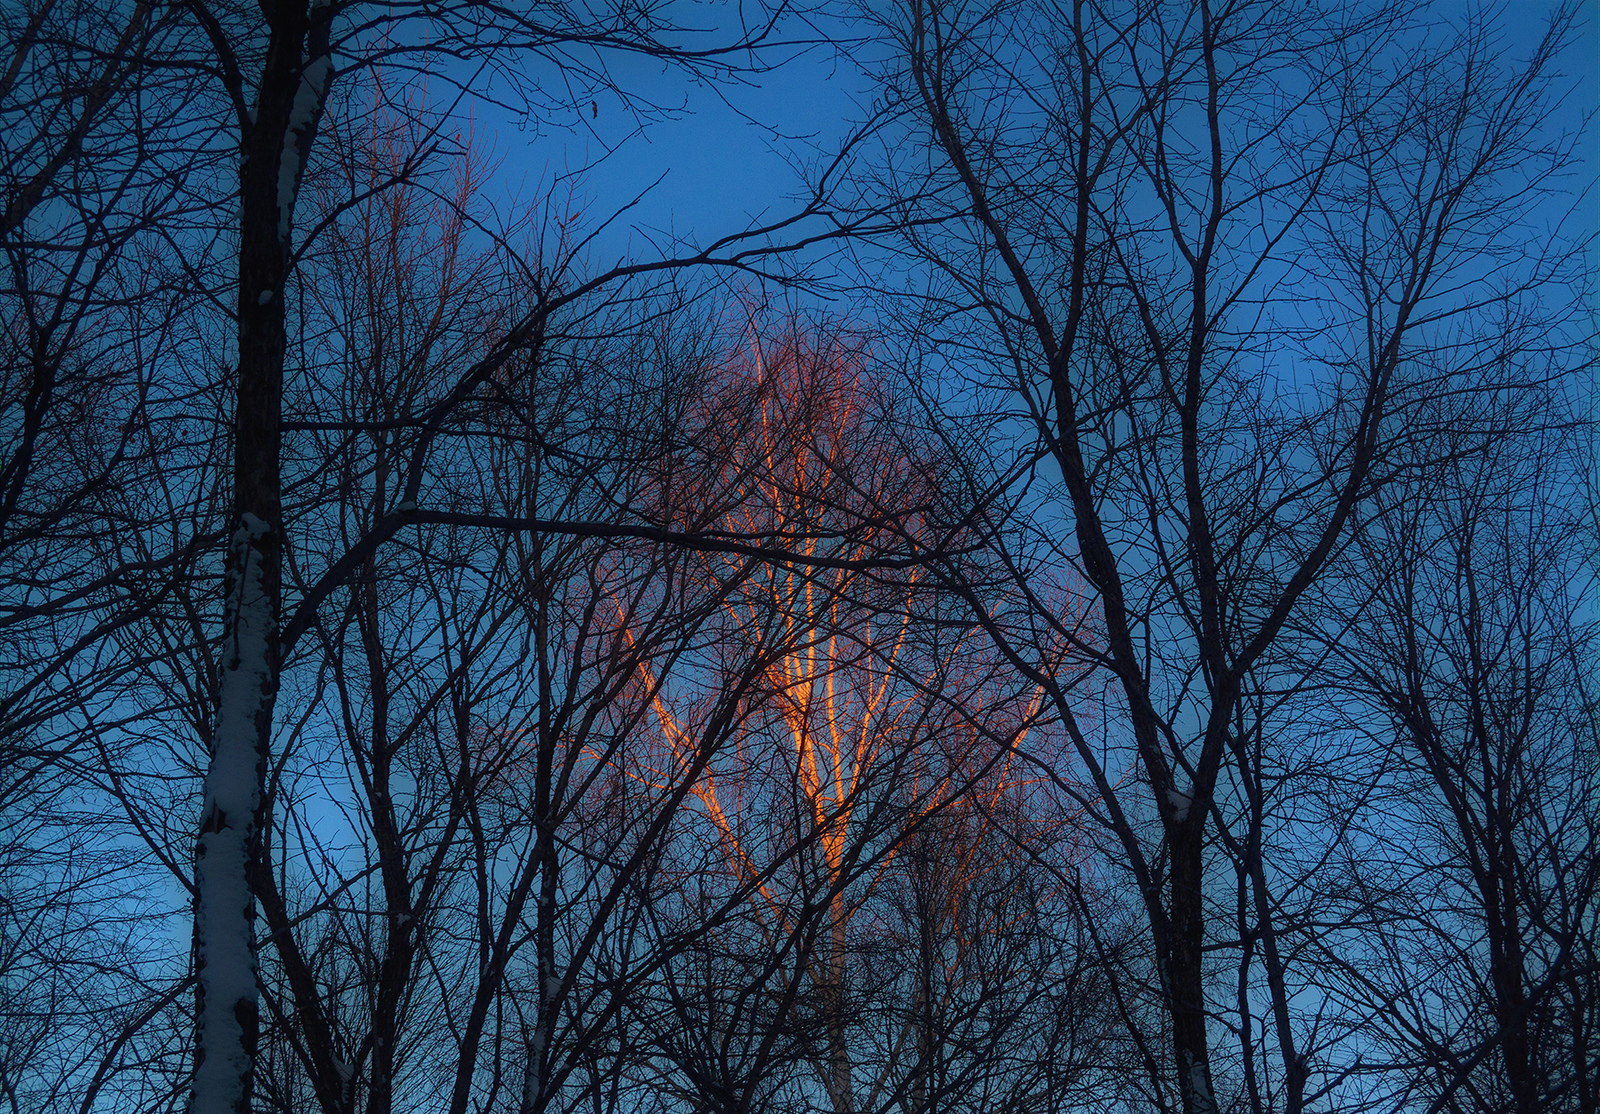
(225, 958)
(276, 139)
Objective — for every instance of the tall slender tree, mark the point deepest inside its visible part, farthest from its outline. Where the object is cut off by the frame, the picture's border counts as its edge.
(869, 727)
(1469, 648)
(275, 70)
(1203, 260)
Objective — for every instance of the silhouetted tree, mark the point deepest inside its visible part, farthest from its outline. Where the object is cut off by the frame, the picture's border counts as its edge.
(1201, 264)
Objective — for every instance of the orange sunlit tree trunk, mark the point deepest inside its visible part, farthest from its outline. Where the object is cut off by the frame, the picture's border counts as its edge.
(870, 726)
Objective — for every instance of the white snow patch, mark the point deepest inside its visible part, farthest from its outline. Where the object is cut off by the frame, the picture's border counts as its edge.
(264, 298)
(1204, 1100)
(1180, 802)
(223, 908)
(226, 967)
(231, 779)
(307, 100)
(288, 170)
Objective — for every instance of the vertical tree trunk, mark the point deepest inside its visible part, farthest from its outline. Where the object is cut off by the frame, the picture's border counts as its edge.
(229, 845)
(228, 852)
(394, 971)
(535, 1082)
(1183, 975)
(838, 1050)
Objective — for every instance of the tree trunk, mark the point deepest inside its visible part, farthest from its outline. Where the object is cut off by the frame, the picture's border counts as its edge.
(838, 1051)
(228, 853)
(1185, 990)
(229, 846)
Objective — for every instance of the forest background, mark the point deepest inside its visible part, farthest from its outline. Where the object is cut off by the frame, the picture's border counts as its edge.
(732, 557)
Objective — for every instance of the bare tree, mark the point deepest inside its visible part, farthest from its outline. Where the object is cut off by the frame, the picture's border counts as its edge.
(1201, 261)
(1462, 629)
(98, 192)
(274, 71)
(894, 950)
(455, 839)
(805, 812)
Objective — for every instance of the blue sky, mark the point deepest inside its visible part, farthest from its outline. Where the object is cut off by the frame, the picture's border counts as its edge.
(719, 171)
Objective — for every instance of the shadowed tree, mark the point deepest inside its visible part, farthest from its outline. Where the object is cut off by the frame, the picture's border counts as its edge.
(1466, 631)
(1200, 264)
(274, 68)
